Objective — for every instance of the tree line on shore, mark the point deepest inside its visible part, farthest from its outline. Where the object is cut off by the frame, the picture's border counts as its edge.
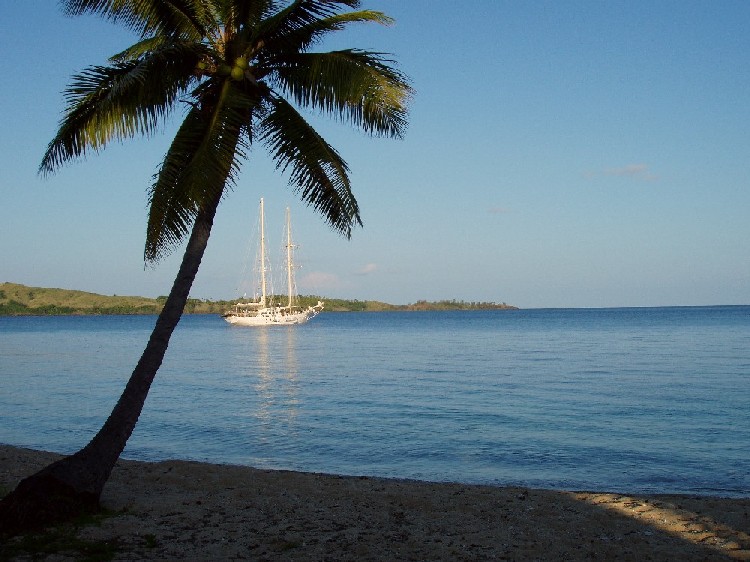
(21, 300)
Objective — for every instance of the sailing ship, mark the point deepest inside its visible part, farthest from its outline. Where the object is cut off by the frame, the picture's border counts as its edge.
(263, 311)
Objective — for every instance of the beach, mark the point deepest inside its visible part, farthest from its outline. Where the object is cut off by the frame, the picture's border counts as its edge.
(178, 510)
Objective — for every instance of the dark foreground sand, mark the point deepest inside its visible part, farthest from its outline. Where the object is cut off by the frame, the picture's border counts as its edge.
(191, 511)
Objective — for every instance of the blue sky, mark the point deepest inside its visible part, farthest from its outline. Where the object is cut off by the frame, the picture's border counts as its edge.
(574, 154)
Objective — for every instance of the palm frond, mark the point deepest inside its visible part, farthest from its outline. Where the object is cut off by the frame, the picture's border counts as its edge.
(301, 37)
(250, 13)
(317, 172)
(357, 86)
(278, 32)
(191, 48)
(201, 164)
(141, 48)
(120, 101)
(176, 18)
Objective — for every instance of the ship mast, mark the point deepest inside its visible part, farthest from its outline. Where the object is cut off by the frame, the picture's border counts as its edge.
(262, 256)
(289, 257)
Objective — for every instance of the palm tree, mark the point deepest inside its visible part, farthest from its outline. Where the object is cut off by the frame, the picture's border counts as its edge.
(240, 68)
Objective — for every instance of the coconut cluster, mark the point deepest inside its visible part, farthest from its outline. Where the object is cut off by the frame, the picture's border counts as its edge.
(237, 72)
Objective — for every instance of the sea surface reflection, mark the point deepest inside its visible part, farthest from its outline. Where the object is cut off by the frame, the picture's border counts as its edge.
(632, 400)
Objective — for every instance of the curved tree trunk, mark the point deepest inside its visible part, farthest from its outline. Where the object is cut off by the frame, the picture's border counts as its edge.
(74, 484)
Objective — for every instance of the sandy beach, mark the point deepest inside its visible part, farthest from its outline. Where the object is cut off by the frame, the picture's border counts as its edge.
(179, 510)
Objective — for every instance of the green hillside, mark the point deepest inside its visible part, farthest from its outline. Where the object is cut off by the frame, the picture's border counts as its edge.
(19, 300)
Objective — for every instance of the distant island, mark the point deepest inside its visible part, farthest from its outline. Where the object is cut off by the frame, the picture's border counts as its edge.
(21, 300)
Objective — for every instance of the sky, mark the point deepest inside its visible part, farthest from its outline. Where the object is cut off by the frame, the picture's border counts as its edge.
(559, 154)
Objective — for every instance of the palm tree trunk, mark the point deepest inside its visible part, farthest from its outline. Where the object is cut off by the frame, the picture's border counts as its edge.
(74, 484)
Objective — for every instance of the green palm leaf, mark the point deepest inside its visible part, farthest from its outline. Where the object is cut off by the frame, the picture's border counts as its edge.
(201, 164)
(357, 86)
(186, 52)
(120, 101)
(176, 18)
(298, 32)
(317, 171)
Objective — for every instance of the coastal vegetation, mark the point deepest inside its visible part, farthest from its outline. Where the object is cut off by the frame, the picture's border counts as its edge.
(17, 300)
(22, 300)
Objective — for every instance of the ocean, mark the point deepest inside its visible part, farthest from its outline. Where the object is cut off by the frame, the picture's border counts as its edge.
(632, 400)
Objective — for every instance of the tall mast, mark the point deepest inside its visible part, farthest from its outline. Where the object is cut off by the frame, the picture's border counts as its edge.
(262, 256)
(289, 257)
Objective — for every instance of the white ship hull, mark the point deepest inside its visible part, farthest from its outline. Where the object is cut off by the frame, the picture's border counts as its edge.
(258, 312)
(273, 316)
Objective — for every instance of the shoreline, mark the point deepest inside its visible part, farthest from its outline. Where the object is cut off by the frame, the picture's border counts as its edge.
(200, 511)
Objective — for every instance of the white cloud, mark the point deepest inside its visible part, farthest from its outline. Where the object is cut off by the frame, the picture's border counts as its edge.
(367, 269)
(319, 280)
(635, 171)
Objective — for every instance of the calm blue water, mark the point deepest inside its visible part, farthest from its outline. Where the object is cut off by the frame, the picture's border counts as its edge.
(630, 400)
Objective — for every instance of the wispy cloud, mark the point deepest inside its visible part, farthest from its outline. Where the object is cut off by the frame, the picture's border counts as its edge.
(367, 269)
(319, 280)
(640, 172)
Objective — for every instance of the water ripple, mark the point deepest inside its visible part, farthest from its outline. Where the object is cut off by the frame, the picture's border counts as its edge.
(634, 400)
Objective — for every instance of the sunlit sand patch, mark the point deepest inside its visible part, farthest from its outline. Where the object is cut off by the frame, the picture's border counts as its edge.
(676, 520)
